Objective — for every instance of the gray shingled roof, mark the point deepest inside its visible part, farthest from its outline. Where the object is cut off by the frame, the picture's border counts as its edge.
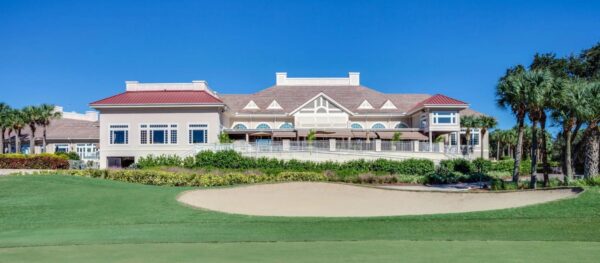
(292, 97)
(68, 129)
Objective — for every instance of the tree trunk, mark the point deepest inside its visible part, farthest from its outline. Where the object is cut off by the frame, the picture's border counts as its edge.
(44, 139)
(568, 173)
(2, 141)
(32, 139)
(481, 148)
(544, 150)
(592, 139)
(518, 149)
(534, 157)
(497, 151)
(18, 142)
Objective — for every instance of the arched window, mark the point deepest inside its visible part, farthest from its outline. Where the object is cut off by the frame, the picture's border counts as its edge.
(321, 110)
(263, 126)
(401, 125)
(240, 126)
(378, 126)
(286, 125)
(356, 126)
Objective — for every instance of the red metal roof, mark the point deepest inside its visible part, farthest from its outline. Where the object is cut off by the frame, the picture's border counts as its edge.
(438, 99)
(160, 97)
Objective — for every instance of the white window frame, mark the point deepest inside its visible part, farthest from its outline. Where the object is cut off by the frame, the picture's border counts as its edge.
(239, 123)
(383, 124)
(399, 123)
(168, 135)
(268, 125)
(280, 126)
(111, 129)
(444, 114)
(190, 129)
(357, 123)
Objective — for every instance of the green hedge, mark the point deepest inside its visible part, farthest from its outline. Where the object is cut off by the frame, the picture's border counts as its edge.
(33, 161)
(233, 160)
(154, 177)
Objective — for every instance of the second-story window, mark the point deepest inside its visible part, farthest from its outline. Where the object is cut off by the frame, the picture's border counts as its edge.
(444, 117)
(118, 134)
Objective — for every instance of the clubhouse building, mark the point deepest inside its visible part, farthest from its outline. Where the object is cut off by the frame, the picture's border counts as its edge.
(180, 118)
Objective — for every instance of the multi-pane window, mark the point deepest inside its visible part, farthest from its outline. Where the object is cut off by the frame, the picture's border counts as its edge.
(378, 126)
(286, 125)
(119, 134)
(263, 126)
(240, 126)
(475, 137)
(198, 133)
(444, 117)
(356, 126)
(158, 134)
(453, 139)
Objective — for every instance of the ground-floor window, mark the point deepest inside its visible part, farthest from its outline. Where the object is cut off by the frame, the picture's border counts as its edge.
(61, 148)
(120, 161)
(86, 150)
(198, 133)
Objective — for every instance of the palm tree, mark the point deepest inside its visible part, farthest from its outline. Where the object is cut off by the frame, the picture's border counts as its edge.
(566, 110)
(4, 123)
(31, 115)
(17, 123)
(47, 113)
(591, 115)
(485, 123)
(468, 122)
(510, 93)
(537, 88)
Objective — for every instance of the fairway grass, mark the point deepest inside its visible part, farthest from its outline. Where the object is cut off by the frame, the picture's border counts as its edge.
(66, 218)
(318, 251)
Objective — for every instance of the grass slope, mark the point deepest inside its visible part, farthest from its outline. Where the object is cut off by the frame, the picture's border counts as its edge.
(63, 210)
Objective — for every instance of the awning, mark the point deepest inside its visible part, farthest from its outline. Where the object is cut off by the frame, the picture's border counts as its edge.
(284, 134)
(335, 134)
(363, 134)
(258, 134)
(388, 135)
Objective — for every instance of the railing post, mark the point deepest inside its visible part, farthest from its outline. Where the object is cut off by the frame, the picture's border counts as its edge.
(415, 146)
(440, 147)
(378, 145)
(332, 145)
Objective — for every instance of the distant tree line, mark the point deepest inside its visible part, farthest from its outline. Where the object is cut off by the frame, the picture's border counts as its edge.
(13, 121)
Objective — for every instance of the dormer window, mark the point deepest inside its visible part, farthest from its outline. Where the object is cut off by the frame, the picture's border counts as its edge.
(365, 105)
(251, 106)
(274, 106)
(388, 105)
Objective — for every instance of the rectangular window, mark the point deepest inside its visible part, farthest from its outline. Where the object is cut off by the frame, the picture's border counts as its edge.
(444, 117)
(119, 134)
(61, 148)
(453, 139)
(158, 134)
(198, 133)
(475, 137)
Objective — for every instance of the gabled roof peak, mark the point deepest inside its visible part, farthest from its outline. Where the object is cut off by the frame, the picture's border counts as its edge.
(251, 106)
(365, 105)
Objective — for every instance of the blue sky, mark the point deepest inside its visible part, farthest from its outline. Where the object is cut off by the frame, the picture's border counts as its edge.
(71, 53)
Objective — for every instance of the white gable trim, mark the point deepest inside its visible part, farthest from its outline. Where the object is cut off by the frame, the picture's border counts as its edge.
(251, 106)
(388, 105)
(365, 105)
(274, 106)
(326, 97)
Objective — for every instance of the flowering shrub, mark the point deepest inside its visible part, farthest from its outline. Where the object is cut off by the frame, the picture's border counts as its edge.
(35, 161)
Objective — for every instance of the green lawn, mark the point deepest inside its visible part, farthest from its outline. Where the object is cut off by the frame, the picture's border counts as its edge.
(63, 218)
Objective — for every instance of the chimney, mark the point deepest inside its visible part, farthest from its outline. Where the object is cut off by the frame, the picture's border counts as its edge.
(280, 78)
(131, 85)
(354, 78)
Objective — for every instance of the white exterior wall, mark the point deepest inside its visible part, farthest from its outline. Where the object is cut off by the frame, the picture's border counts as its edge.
(389, 122)
(135, 117)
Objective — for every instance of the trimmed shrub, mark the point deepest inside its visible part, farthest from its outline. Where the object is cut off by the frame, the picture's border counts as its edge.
(33, 161)
(68, 155)
(482, 165)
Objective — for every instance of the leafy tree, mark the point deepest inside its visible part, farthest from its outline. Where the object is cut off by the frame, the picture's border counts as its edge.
(4, 123)
(31, 116)
(485, 123)
(510, 94)
(396, 137)
(17, 123)
(591, 115)
(468, 122)
(224, 138)
(47, 114)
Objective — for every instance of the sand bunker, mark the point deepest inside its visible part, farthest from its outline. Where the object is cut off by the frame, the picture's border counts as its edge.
(340, 200)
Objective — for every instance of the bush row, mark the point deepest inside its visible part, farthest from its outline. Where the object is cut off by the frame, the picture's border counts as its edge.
(33, 161)
(481, 165)
(233, 160)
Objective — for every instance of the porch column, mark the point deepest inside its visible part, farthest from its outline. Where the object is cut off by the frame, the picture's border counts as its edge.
(415, 146)
(286, 145)
(459, 151)
(332, 145)
(440, 147)
(430, 141)
(378, 145)
(247, 138)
